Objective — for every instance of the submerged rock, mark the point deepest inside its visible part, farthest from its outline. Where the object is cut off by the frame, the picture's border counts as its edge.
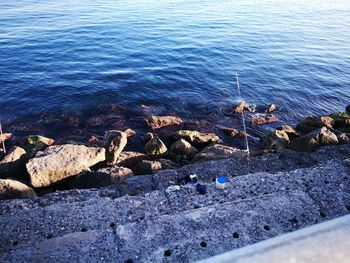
(155, 147)
(312, 123)
(151, 166)
(218, 151)
(34, 143)
(62, 161)
(195, 137)
(266, 119)
(130, 159)
(156, 122)
(183, 148)
(115, 141)
(100, 178)
(10, 189)
(314, 139)
(276, 141)
(13, 163)
(271, 108)
(241, 107)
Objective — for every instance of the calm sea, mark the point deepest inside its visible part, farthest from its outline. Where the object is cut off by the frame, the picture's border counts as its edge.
(175, 56)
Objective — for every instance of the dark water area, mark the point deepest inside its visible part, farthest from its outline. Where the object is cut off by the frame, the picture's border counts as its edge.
(72, 69)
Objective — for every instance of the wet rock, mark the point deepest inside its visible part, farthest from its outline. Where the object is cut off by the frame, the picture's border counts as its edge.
(341, 120)
(151, 166)
(291, 132)
(312, 123)
(148, 136)
(314, 139)
(13, 163)
(10, 189)
(130, 133)
(230, 131)
(276, 141)
(183, 148)
(101, 177)
(156, 122)
(343, 138)
(155, 147)
(130, 159)
(241, 107)
(271, 108)
(62, 161)
(195, 138)
(115, 141)
(34, 143)
(218, 151)
(266, 119)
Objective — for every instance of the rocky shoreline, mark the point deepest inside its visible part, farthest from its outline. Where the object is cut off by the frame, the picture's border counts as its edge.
(36, 165)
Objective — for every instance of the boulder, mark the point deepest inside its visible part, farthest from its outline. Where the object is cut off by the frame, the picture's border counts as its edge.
(151, 166)
(343, 138)
(34, 143)
(155, 147)
(276, 140)
(62, 161)
(241, 107)
(312, 123)
(13, 163)
(10, 189)
(115, 141)
(148, 136)
(218, 151)
(229, 131)
(266, 119)
(314, 139)
(183, 148)
(291, 132)
(271, 108)
(101, 177)
(156, 122)
(195, 138)
(130, 133)
(341, 120)
(130, 159)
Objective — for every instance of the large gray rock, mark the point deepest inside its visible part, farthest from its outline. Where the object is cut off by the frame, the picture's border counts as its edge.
(10, 189)
(62, 161)
(115, 141)
(218, 151)
(13, 163)
(314, 139)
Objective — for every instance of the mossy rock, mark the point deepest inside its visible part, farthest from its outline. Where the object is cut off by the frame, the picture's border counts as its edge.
(34, 143)
(341, 120)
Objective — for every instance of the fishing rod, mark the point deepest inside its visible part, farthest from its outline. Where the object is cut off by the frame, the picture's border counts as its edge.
(2, 139)
(243, 118)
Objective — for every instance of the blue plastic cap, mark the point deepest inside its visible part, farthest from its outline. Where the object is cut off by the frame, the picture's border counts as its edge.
(221, 179)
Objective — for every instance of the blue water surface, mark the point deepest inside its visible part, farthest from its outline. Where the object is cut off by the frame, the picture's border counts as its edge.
(178, 55)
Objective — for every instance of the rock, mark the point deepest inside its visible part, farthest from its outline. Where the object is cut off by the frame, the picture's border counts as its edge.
(148, 136)
(312, 123)
(155, 147)
(10, 189)
(130, 133)
(230, 131)
(241, 107)
(115, 141)
(156, 122)
(341, 120)
(218, 151)
(130, 159)
(100, 178)
(291, 132)
(4, 137)
(195, 138)
(34, 143)
(13, 163)
(62, 161)
(347, 109)
(314, 139)
(343, 138)
(151, 166)
(183, 148)
(276, 141)
(266, 119)
(271, 108)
